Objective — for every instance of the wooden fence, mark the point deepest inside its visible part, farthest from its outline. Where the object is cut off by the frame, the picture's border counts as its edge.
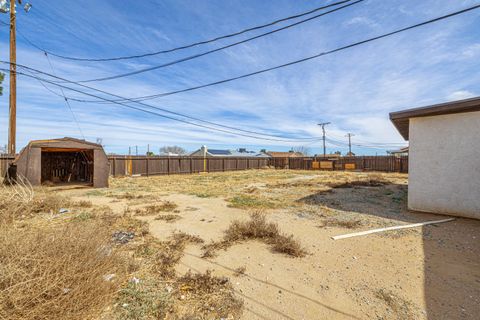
(362, 163)
(145, 166)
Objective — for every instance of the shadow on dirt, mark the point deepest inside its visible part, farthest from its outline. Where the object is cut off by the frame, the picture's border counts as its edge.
(451, 250)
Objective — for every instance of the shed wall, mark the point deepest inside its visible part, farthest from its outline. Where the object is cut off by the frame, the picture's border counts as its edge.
(101, 169)
(29, 166)
(444, 164)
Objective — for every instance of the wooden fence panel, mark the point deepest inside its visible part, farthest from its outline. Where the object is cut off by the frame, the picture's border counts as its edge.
(135, 165)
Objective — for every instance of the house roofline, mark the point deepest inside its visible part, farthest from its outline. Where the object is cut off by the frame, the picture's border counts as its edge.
(401, 119)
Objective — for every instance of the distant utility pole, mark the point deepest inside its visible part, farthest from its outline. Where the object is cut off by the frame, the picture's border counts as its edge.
(129, 151)
(350, 135)
(136, 150)
(12, 120)
(323, 124)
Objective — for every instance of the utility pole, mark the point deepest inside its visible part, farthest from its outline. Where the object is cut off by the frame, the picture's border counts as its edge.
(12, 118)
(323, 124)
(136, 150)
(350, 135)
(12, 132)
(129, 151)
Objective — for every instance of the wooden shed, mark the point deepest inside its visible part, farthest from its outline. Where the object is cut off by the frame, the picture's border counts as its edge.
(62, 161)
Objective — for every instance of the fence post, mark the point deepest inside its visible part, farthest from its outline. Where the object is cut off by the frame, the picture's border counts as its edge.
(168, 165)
(223, 164)
(147, 166)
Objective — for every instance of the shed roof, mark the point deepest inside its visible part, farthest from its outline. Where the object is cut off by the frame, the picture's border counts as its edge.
(66, 142)
(401, 119)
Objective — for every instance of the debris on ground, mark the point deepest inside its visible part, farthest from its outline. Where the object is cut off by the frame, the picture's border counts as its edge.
(122, 237)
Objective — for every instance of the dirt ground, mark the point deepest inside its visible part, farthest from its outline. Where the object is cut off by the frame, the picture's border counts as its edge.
(422, 273)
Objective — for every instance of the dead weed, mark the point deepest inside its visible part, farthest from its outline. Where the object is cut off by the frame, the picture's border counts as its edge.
(257, 228)
(57, 272)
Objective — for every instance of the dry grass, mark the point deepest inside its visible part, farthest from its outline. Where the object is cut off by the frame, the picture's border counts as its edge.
(402, 308)
(257, 228)
(168, 217)
(204, 296)
(163, 206)
(343, 223)
(57, 272)
(168, 253)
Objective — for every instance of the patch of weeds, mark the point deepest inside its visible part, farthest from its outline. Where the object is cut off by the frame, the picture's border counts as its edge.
(204, 296)
(402, 308)
(257, 228)
(83, 204)
(128, 196)
(343, 223)
(163, 206)
(144, 300)
(168, 217)
(240, 271)
(170, 252)
(83, 216)
(249, 202)
(95, 193)
(203, 194)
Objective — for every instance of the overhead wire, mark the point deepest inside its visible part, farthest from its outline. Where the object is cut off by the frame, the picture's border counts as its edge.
(158, 108)
(155, 113)
(199, 42)
(195, 56)
(66, 100)
(164, 94)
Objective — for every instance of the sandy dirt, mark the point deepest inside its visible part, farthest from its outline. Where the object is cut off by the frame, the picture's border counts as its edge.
(423, 273)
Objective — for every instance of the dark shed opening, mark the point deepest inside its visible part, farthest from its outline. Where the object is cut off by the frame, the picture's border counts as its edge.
(68, 166)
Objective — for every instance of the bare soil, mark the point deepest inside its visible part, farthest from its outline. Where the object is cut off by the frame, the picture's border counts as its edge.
(422, 273)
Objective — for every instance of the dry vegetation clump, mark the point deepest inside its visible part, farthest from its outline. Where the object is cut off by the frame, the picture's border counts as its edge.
(128, 196)
(57, 272)
(257, 228)
(204, 296)
(144, 300)
(343, 223)
(168, 217)
(250, 202)
(168, 253)
(402, 308)
(163, 206)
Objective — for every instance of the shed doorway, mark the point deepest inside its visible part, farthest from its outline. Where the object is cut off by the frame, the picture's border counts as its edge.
(67, 166)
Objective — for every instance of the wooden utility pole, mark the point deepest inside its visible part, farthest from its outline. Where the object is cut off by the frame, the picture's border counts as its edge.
(350, 135)
(323, 130)
(13, 83)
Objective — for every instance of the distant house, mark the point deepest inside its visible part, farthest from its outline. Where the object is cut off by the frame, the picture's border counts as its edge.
(242, 152)
(400, 152)
(444, 157)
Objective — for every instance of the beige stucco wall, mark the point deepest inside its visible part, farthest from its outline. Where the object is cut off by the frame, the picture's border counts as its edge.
(444, 164)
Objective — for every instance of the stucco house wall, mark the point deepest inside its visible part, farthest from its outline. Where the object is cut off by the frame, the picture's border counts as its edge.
(444, 164)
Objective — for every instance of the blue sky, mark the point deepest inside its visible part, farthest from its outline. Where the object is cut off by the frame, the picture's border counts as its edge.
(354, 89)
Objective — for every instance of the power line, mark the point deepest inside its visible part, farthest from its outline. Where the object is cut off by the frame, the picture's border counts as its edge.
(148, 97)
(195, 56)
(66, 100)
(200, 42)
(155, 113)
(158, 108)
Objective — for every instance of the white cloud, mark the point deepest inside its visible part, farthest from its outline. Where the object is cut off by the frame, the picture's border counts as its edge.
(460, 94)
